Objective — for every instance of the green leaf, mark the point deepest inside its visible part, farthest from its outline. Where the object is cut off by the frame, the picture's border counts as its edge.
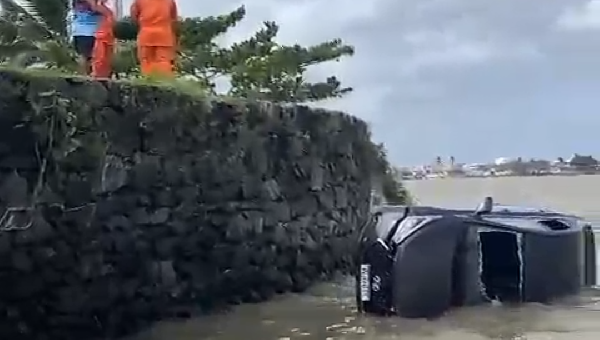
(194, 32)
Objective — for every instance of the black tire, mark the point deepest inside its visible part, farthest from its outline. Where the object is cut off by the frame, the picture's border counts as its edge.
(590, 257)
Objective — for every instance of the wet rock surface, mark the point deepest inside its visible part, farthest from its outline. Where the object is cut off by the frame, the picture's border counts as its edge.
(121, 205)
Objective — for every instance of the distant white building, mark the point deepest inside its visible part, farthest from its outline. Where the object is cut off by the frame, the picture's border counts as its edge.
(503, 160)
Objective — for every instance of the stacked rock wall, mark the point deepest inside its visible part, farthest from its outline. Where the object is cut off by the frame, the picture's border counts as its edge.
(123, 204)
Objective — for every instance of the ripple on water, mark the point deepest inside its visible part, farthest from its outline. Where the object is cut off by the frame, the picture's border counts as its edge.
(328, 312)
(324, 313)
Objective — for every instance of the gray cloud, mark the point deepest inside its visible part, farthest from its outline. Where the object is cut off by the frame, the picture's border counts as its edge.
(473, 79)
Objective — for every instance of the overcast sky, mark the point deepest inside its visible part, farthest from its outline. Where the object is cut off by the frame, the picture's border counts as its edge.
(476, 79)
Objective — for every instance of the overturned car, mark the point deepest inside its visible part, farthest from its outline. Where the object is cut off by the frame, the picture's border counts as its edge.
(421, 261)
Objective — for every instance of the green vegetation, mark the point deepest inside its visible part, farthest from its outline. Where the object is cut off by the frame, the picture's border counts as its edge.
(257, 68)
(390, 185)
(189, 87)
(34, 32)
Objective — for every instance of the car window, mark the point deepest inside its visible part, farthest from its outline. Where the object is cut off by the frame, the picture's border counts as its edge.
(386, 222)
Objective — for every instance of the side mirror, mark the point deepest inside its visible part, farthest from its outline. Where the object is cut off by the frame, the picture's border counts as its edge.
(485, 207)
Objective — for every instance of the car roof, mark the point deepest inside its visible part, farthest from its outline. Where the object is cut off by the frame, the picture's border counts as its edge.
(512, 218)
(498, 210)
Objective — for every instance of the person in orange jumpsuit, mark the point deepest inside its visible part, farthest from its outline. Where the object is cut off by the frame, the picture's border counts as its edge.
(156, 40)
(104, 45)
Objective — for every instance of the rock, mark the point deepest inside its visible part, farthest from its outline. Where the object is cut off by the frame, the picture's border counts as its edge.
(39, 231)
(13, 190)
(162, 204)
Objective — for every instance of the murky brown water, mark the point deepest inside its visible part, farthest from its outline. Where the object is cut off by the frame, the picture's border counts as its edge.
(328, 311)
(322, 316)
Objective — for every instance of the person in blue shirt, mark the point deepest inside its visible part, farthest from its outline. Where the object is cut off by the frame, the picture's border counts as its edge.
(83, 26)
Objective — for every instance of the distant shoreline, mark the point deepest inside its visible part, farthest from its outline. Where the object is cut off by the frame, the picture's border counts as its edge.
(454, 176)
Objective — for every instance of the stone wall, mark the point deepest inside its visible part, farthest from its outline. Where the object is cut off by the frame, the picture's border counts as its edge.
(123, 204)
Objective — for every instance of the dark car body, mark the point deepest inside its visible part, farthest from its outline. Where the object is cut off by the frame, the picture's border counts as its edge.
(421, 261)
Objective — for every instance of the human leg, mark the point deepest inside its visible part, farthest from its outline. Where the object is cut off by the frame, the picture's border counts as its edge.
(165, 58)
(145, 57)
(102, 59)
(84, 46)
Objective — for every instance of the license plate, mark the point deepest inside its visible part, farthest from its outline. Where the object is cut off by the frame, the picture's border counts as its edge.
(365, 282)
